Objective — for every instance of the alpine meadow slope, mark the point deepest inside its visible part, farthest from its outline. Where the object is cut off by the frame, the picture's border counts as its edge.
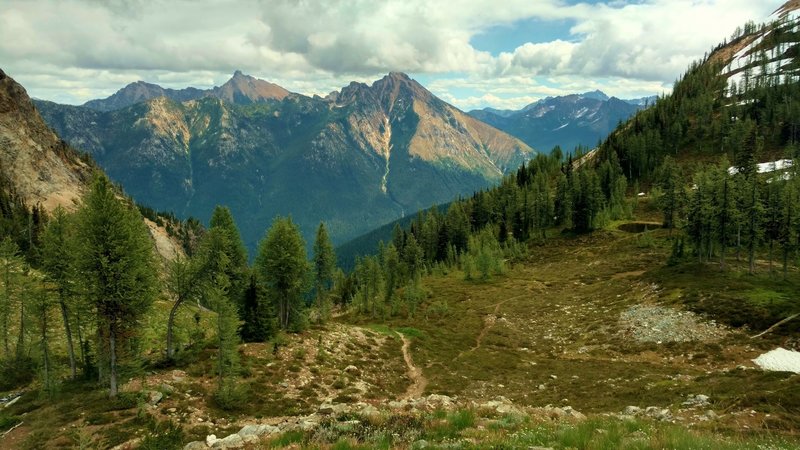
(569, 306)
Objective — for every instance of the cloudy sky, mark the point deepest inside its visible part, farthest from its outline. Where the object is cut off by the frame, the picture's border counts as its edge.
(472, 53)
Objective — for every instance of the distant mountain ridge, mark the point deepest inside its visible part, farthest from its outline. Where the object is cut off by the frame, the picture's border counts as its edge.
(567, 121)
(359, 158)
(241, 89)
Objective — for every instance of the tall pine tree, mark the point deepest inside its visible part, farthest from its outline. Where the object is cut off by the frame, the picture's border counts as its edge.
(115, 255)
(282, 266)
(324, 268)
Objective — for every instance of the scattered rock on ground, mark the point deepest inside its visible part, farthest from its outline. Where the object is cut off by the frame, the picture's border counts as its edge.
(196, 445)
(659, 325)
(232, 441)
(696, 400)
(258, 430)
(153, 397)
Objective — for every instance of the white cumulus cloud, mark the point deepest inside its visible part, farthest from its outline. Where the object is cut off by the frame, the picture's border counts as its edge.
(73, 50)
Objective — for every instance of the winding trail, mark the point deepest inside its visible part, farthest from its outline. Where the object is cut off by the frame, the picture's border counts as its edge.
(488, 322)
(418, 380)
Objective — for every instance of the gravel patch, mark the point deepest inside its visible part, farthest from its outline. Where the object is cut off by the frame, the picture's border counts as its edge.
(659, 324)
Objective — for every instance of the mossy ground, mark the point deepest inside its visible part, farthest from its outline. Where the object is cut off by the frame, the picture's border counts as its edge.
(545, 332)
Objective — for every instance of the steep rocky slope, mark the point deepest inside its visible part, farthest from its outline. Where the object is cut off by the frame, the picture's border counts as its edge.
(41, 168)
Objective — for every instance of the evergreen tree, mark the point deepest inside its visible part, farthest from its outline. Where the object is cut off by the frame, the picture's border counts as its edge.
(486, 253)
(116, 259)
(11, 266)
(59, 264)
(429, 234)
(184, 282)
(259, 318)
(457, 226)
(724, 208)
(412, 258)
(235, 251)
(671, 201)
(392, 275)
(789, 221)
(324, 268)
(282, 266)
(41, 304)
(754, 211)
(587, 200)
(542, 204)
(563, 201)
(227, 333)
(701, 214)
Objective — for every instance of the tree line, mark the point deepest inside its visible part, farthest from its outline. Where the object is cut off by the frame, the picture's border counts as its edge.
(726, 211)
(480, 234)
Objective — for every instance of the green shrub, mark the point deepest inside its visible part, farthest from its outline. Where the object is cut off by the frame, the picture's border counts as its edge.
(8, 421)
(163, 436)
(231, 396)
(16, 372)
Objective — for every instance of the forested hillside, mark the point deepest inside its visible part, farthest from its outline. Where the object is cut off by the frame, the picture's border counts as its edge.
(622, 298)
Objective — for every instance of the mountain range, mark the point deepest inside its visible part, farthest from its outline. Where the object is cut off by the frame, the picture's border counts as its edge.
(240, 89)
(356, 159)
(568, 121)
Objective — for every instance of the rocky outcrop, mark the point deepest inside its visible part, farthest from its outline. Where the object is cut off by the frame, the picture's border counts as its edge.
(39, 166)
(358, 412)
(44, 170)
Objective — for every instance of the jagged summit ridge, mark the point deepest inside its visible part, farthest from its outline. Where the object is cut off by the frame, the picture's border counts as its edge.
(239, 89)
(567, 121)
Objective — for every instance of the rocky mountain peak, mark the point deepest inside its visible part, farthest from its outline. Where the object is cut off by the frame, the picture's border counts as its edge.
(596, 95)
(244, 89)
(396, 85)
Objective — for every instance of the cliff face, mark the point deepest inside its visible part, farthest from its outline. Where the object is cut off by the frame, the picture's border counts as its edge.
(357, 159)
(41, 167)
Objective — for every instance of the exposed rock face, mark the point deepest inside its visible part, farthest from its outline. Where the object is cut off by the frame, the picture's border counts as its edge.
(41, 168)
(357, 159)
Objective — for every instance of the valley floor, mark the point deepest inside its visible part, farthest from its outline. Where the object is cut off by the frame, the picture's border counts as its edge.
(594, 325)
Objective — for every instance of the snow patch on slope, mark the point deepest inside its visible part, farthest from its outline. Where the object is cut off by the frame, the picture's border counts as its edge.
(779, 360)
(767, 167)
